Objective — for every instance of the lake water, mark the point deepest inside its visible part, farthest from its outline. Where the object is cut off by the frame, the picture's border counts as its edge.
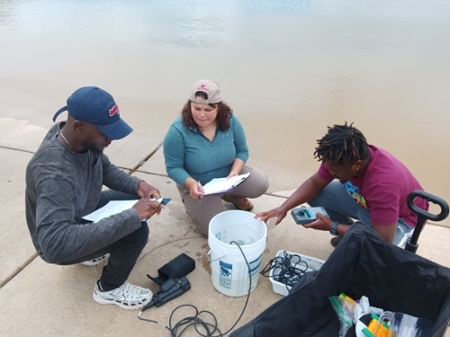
(288, 69)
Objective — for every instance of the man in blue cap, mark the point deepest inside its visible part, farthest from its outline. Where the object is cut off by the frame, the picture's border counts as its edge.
(64, 181)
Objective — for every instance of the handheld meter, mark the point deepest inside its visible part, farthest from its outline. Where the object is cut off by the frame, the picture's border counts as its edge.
(305, 215)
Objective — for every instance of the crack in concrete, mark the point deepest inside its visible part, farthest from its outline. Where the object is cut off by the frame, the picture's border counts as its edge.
(15, 149)
(18, 270)
(143, 161)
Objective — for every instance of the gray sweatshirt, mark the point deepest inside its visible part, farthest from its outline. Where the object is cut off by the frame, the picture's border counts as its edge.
(63, 186)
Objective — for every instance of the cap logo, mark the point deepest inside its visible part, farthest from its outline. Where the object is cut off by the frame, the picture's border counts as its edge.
(203, 87)
(114, 110)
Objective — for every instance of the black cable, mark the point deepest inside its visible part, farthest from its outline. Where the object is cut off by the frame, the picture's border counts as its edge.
(196, 321)
(287, 269)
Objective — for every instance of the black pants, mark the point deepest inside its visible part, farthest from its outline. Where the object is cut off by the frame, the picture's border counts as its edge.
(123, 253)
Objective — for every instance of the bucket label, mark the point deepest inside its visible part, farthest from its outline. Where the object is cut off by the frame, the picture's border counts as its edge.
(241, 273)
(226, 272)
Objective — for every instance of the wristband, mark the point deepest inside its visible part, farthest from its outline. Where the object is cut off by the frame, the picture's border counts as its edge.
(333, 229)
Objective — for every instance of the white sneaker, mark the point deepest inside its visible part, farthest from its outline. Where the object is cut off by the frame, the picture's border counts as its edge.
(94, 262)
(127, 296)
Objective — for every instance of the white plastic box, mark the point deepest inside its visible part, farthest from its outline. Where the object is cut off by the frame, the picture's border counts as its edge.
(283, 289)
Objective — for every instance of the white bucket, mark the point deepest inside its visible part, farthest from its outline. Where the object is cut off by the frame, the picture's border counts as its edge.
(229, 271)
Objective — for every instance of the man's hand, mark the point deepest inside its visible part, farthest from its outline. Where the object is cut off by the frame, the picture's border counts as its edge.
(278, 212)
(147, 191)
(322, 223)
(147, 208)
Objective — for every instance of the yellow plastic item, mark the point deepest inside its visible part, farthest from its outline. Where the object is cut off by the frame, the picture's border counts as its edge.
(381, 331)
(348, 302)
(348, 298)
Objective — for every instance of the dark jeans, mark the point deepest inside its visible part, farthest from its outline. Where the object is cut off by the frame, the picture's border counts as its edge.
(342, 208)
(123, 253)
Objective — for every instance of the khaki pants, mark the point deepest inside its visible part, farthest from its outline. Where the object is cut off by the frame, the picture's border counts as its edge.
(202, 211)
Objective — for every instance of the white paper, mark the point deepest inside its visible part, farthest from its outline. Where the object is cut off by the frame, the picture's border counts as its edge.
(222, 185)
(111, 208)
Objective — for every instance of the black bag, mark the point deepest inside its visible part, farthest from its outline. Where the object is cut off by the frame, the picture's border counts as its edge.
(363, 264)
(177, 268)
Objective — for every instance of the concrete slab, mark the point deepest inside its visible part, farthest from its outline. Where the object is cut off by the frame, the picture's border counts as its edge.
(150, 122)
(131, 152)
(155, 164)
(18, 134)
(14, 238)
(282, 181)
(433, 243)
(54, 300)
(49, 300)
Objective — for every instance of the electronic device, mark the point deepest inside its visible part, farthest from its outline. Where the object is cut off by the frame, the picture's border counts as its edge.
(305, 215)
(164, 201)
(169, 290)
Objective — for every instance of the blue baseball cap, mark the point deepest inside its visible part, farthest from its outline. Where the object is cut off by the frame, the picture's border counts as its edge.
(95, 106)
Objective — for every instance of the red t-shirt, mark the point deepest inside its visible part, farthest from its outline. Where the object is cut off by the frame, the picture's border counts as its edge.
(383, 188)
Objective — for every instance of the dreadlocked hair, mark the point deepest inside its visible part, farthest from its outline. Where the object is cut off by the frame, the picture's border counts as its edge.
(342, 145)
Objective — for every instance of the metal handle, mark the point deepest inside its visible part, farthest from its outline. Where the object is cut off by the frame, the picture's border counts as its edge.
(429, 197)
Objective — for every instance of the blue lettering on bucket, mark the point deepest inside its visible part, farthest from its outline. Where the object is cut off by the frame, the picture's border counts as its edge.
(225, 274)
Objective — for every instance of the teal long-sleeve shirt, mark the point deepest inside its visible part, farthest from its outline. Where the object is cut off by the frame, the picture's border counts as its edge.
(188, 153)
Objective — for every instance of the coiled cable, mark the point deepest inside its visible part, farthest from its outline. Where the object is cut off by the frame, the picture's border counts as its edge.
(208, 329)
(287, 269)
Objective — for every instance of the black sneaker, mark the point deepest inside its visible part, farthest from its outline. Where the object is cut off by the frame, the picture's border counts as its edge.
(335, 241)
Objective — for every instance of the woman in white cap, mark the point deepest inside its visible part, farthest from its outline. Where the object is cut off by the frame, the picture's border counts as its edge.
(207, 141)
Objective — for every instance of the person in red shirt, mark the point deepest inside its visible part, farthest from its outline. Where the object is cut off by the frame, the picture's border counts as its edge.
(356, 181)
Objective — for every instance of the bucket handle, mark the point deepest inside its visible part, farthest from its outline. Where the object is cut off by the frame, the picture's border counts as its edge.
(208, 256)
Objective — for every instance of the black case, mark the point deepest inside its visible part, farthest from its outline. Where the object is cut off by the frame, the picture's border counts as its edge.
(362, 264)
(178, 267)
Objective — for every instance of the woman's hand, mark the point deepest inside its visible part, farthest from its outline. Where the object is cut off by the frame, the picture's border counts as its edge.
(232, 174)
(196, 190)
(236, 168)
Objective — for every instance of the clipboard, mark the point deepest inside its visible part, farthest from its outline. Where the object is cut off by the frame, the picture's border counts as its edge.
(117, 206)
(224, 185)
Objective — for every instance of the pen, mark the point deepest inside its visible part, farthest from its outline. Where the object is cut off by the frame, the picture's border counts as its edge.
(199, 185)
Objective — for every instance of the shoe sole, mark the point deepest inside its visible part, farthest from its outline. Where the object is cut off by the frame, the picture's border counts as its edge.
(248, 209)
(101, 300)
(240, 209)
(92, 264)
